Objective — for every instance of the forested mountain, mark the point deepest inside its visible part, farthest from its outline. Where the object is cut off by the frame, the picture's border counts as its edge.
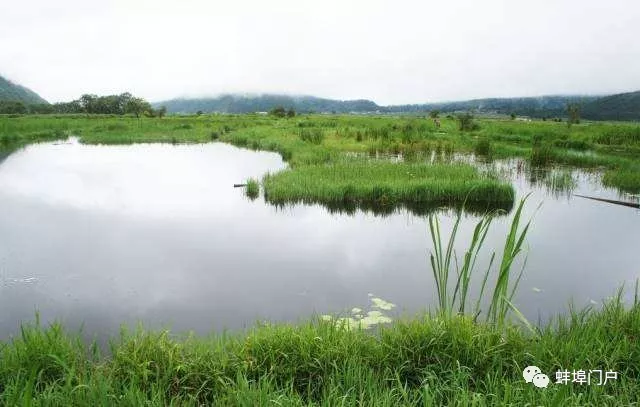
(544, 106)
(623, 106)
(264, 103)
(12, 92)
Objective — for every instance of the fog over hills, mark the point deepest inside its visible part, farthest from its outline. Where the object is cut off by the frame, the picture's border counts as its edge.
(543, 106)
(623, 106)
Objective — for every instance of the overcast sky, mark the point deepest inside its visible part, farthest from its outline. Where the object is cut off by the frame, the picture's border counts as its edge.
(392, 52)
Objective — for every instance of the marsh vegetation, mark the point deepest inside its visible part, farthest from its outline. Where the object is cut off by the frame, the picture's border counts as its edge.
(469, 348)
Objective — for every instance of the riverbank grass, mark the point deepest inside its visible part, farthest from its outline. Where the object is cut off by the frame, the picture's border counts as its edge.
(321, 139)
(428, 360)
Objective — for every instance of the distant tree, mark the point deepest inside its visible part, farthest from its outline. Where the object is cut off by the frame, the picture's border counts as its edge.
(291, 112)
(434, 114)
(466, 122)
(513, 116)
(199, 113)
(108, 105)
(573, 109)
(122, 101)
(278, 111)
(88, 103)
(162, 111)
(137, 106)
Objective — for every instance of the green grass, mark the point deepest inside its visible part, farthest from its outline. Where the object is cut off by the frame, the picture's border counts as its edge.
(377, 183)
(627, 180)
(483, 148)
(252, 190)
(443, 259)
(543, 155)
(427, 360)
(319, 139)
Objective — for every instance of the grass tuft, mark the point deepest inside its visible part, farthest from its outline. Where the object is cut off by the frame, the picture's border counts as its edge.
(385, 184)
(252, 190)
(627, 180)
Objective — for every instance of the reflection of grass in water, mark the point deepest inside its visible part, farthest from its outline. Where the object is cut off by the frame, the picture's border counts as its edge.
(557, 181)
(419, 208)
(560, 181)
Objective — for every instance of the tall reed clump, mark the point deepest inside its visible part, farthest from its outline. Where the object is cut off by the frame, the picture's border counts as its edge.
(542, 152)
(311, 135)
(483, 148)
(252, 189)
(453, 281)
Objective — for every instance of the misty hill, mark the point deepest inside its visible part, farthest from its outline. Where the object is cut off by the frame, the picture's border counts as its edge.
(623, 106)
(12, 92)
(544, 106)
(264, 103)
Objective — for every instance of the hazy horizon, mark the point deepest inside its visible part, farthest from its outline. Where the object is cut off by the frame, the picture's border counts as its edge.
(250, 94)
(293, 95)
(401, 52)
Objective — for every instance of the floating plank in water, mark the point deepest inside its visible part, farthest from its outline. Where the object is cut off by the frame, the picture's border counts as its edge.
(239, 185)
(622, 203)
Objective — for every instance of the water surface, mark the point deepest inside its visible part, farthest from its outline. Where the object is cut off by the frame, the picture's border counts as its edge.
(104, 235)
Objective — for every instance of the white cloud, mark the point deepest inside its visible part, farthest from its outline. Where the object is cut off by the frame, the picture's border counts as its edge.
(399, 51)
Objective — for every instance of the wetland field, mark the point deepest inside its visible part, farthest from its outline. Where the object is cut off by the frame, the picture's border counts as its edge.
(316, 260)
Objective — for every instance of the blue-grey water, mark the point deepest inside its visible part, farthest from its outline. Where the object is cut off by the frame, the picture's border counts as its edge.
(98, 236)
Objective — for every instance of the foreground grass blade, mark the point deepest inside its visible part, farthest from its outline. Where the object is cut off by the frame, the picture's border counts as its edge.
(455, 298)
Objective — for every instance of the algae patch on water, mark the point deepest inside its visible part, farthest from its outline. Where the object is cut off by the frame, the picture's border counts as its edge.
(358, 319)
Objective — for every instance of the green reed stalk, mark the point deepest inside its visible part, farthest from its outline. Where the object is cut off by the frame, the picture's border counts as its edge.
(455, 298)
(501, 298)
(441, 262)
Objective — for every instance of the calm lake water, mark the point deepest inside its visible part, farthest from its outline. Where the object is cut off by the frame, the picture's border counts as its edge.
(105, 235)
